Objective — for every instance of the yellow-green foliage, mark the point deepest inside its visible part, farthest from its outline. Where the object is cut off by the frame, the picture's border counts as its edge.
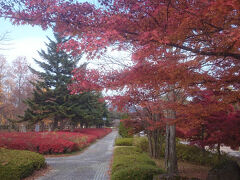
(142, 143)
(15, 164)
(130, 163)
(123, 131)
(124, 142)
(196, 155)
(185, 152)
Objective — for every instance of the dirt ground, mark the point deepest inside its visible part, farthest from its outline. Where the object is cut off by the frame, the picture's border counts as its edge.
(38, 173)
(188, 170)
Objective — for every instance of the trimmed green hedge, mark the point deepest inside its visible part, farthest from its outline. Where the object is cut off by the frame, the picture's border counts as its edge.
(124, 142)
(127, 150)
(123, 131)
(186, 153)
(130, 163)
(15, 164)
(142, 143)
(196, 155)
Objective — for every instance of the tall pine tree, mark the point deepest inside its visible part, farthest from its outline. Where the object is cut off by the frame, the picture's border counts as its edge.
(51, 98)
(88, 110)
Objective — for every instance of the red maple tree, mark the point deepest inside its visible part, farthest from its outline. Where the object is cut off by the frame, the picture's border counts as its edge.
(179, 48)
(215, 126)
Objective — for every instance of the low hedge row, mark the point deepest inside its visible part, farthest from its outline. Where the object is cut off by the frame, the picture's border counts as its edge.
(52, 142)
(184, 152)
(124, 142)
(130, 163)
(16, 164)
(142, 143)
(196, 155)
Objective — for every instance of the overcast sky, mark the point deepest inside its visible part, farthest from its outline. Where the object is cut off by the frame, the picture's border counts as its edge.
(23, 40)
(26, 40)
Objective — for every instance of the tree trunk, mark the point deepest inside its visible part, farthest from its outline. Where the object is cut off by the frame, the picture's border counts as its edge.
(218, 150)
(54, 124)
(150, 143)
(87, 125)
(42, 126)
(154, 145)
(62, 124)
(161, 140)
(156, 142)
(9, 127)
(170, 150)
(71, 127)
(202, 138)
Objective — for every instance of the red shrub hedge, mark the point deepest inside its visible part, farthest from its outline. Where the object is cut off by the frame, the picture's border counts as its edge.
(51, 142)
(99, 133)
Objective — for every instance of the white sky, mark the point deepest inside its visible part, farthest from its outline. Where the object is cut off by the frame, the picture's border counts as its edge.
(23, 41)
(26, 40)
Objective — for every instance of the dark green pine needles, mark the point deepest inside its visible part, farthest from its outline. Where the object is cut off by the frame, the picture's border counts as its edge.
(51, 98)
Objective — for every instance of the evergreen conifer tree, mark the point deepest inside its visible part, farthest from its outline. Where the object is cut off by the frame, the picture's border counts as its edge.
(88, 110)
(51, 97)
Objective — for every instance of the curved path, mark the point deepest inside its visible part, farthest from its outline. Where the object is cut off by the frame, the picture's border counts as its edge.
(92, 164)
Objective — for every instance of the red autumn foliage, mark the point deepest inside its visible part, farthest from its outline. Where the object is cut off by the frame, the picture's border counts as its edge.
(186, 44)
(202, 33)
(99, 133)
(219, 126)
(51, 142)
(179, 47)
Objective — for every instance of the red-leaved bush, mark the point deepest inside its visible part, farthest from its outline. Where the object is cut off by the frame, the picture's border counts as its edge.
(99, 133)
(51, 142)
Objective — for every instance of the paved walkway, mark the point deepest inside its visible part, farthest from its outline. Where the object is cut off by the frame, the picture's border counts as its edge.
(92, 164)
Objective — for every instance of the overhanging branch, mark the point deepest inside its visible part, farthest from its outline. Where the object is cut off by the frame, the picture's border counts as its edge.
(206, 53)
